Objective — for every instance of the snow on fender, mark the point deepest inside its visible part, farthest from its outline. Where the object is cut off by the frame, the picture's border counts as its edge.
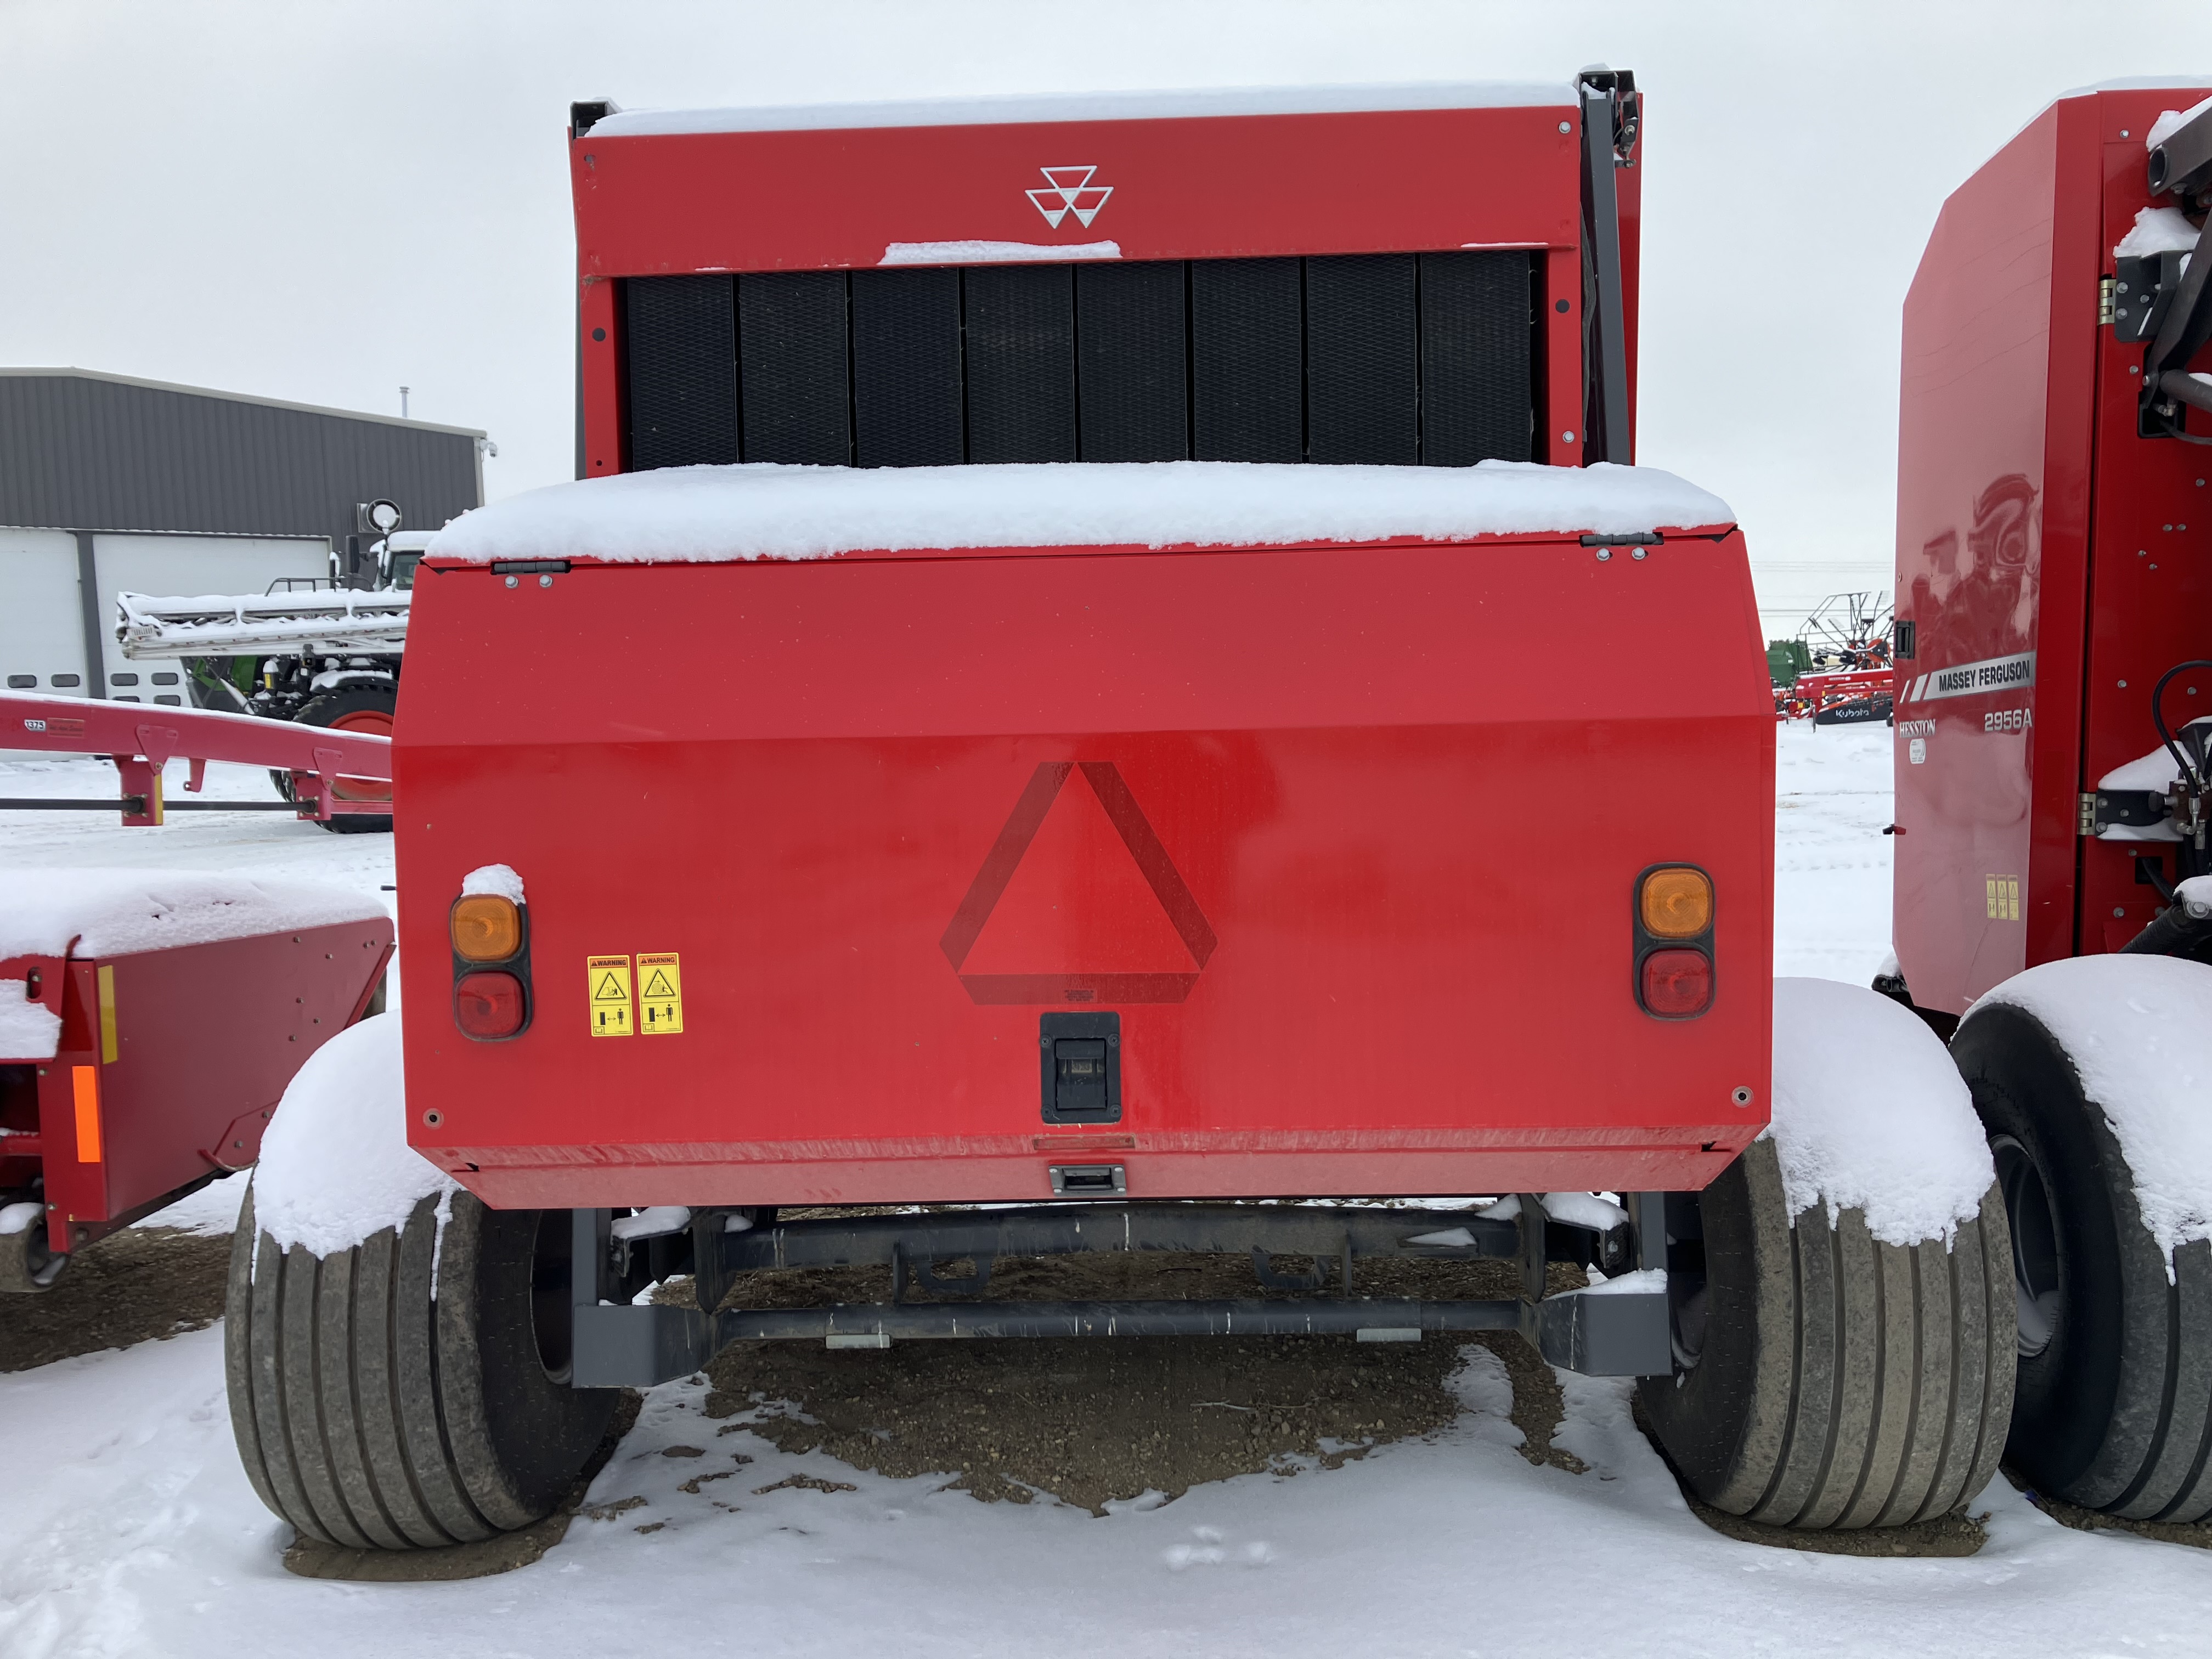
(1869, 1114)
(335, 1167)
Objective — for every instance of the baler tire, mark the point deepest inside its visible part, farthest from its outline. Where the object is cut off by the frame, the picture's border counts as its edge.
(376, 1411)
(2115, 1406)
(1841, 1383)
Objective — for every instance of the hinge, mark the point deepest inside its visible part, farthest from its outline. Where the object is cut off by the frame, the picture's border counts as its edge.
(2088, 812)
(2106, 295)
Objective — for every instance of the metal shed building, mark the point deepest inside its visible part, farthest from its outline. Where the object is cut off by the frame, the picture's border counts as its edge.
(108, 483)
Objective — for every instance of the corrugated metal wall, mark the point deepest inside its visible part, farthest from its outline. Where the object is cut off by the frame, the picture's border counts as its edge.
(83, 450)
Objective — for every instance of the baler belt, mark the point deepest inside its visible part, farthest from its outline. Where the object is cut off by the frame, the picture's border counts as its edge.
(906, 369)
(794, 375)
(683, 354)
(1020, 335)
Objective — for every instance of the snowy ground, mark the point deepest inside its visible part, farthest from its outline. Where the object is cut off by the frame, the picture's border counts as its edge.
(129, 1529)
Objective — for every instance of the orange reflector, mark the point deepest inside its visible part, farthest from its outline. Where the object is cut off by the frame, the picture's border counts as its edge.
(85, 1082)
(486, 927)
(1676, 904)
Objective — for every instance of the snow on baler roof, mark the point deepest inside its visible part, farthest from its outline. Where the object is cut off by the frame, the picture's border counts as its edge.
(113, 913)
(709, 514)
(1010, 109)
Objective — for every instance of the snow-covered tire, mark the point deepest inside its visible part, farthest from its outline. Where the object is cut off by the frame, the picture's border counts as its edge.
(1840, 1381)
(1841, 1301)
(2115, 1394)
(407, 1393)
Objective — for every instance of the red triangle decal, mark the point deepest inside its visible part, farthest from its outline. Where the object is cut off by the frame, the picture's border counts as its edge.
(1077, 904)
(1077, 900)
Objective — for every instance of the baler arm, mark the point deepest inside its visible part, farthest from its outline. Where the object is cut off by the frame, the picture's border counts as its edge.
(2183, 165)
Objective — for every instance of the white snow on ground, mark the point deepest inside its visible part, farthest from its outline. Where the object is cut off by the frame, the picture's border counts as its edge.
(1870, 1113)
(212, 1211)
(335, 1165)
(695, 513)
(28, 1030)
(2135, 1027)
(1831, 862)
(129, 1529)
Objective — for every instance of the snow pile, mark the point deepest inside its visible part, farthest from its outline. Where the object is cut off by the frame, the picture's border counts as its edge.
(1869, 1114)
(701, 514)
(113, 913)
(2171, 122)
(1182, 103)
(994, 254)
(2135, 1028)
(28, 1030)
(2158, 230)
(18, 1217)
(336, 1166)
(497, 880)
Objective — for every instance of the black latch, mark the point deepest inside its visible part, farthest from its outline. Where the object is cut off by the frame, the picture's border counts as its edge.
(1637, 538)
(2136, 807)
(1901, 638)
(529, 566)
(1082, 1056)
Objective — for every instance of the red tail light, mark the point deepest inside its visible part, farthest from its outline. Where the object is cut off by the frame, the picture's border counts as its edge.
(489, 1004)
(1677, 983)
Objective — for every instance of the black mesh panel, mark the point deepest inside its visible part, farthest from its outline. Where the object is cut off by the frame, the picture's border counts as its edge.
(1478, 393)
(683, 362)
(1388, 358)
(1130, 341)
(1363, 361)
(1021, 362)
(791, 348)
(906, 369)
(1247, 372)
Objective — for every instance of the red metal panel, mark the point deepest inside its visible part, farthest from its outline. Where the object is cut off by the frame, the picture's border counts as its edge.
(1211, 187)
(2015, 402)
(2150, 578)
(603, 423)
(1563, 360)
(1351, 757)
(206, 1038)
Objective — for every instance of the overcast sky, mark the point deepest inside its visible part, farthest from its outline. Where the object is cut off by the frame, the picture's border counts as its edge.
(322, 201)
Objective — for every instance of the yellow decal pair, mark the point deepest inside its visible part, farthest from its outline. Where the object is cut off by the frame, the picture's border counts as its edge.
(652, 1001)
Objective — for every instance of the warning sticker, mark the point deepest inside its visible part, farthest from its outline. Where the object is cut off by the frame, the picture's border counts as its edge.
(659, 994)
(613, 1012)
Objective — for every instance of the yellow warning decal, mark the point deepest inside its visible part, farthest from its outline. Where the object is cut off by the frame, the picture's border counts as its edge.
(613, 1012)
(659, 994)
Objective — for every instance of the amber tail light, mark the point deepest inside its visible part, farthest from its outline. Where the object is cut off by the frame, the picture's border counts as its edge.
(490, 938)
(1673, 929)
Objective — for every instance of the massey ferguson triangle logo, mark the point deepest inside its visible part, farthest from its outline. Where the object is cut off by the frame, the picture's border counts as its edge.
(1069, 189)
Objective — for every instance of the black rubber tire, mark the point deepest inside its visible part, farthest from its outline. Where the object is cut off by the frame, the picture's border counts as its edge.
(1842, 1382)
(370, 1413)
(327, 708)
(2115, 1411)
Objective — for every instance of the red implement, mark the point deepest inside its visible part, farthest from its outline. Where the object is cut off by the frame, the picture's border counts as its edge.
(142, 741)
